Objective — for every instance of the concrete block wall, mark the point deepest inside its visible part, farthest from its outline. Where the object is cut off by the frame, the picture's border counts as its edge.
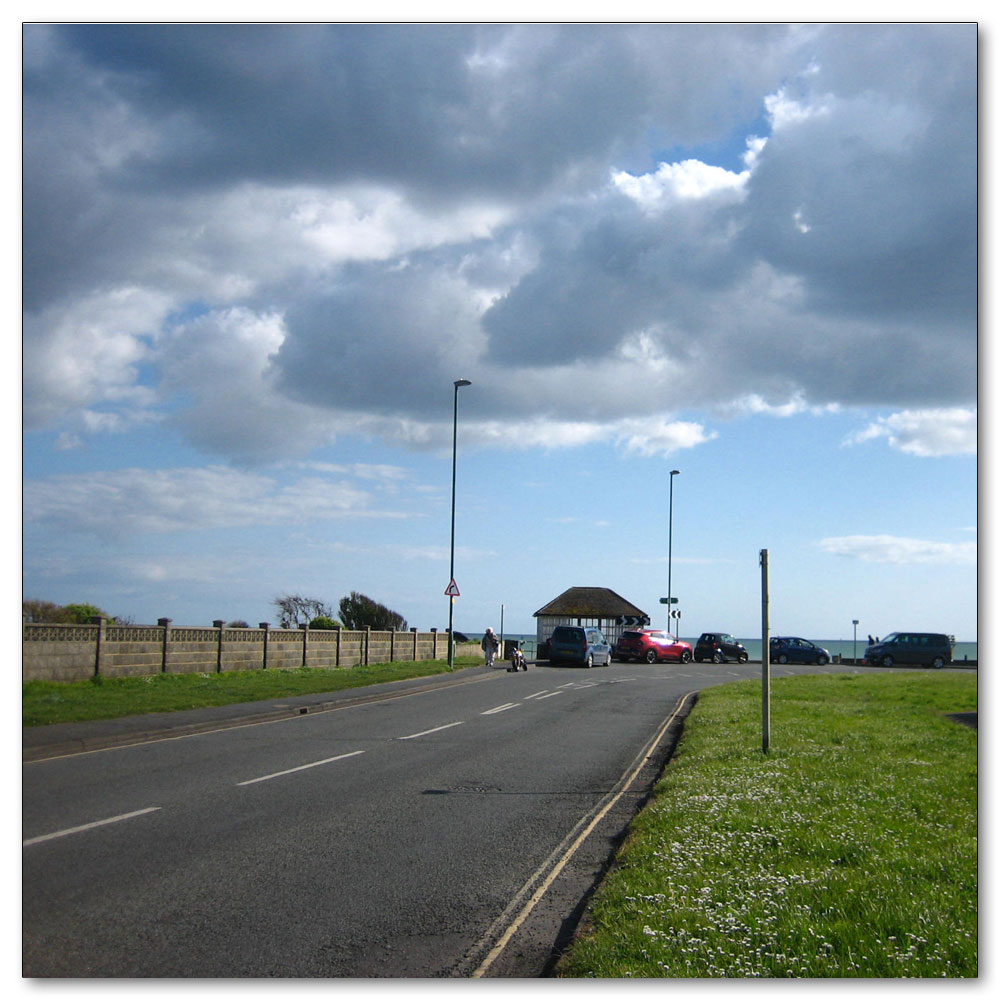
(78, 652)
(58, 652)
(129, 651)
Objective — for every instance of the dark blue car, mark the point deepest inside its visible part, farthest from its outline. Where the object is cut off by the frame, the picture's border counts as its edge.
(790, 649)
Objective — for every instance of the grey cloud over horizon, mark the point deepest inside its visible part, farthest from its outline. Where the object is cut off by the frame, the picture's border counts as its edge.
(320, 227)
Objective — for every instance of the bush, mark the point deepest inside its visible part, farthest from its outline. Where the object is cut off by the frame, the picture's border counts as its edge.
(324, 622)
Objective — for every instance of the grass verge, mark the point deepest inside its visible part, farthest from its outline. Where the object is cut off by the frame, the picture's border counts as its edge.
(848, 850)
(47, 702)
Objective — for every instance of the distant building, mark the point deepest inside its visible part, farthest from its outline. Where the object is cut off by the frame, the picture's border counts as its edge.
(594, 606)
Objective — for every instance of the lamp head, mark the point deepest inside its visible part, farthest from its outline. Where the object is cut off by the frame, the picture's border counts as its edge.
(461, 382)
(675, 472)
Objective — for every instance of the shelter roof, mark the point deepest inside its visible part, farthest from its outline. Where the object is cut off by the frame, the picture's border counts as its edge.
(590, 602)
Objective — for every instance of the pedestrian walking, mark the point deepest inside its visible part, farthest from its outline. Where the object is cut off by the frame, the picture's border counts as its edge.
(490, 646)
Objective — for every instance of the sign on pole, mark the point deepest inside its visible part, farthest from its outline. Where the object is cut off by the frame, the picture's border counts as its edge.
(452, 590)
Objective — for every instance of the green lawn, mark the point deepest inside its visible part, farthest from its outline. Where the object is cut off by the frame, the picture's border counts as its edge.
(849, 850)
(47, 702)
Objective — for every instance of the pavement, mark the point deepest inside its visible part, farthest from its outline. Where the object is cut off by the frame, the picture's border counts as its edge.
(61, 739)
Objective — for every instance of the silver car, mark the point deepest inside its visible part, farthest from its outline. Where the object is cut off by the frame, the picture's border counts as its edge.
(579, 644)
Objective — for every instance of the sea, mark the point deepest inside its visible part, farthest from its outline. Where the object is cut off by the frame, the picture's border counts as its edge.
(837, 647)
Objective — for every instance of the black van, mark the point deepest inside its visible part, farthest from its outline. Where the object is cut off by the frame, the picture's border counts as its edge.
(930, 649)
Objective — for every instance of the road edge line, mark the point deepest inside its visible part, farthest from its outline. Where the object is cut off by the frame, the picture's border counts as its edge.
(603, 809)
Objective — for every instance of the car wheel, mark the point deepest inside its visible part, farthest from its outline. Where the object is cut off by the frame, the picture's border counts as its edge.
(782, 658)
(822, 661)
(744, 657)
(651, 656)
(718, 658)
(938, 662)
(685, 657)
(590, 661)
(887, 661)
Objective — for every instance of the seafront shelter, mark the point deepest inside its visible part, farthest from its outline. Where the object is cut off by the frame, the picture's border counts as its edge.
(598, 607)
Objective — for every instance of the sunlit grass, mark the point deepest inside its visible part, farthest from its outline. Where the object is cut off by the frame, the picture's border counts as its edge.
(47, 702)
(848, 850)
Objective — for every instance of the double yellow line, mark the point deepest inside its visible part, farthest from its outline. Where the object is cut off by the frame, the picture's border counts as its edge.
(565, 852)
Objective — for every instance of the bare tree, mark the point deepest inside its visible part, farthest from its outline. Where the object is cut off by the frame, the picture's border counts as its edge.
(295, 610)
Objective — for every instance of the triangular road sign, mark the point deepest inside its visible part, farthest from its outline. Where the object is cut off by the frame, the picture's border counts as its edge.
(452, 590)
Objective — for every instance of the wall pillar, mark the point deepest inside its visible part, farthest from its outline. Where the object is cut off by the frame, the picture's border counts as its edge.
(368, 639)
(220, 625)
(100, 623)
(164, 623)
(266, 626)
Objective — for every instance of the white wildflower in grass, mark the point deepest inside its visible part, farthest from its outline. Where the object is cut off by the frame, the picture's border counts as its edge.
(838, 854)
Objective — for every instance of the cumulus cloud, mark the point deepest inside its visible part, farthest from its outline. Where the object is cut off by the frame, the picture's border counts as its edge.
(270, 236)
(900, 551)
(926, 433)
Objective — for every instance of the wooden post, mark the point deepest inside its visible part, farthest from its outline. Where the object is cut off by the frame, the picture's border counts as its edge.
(765, 655)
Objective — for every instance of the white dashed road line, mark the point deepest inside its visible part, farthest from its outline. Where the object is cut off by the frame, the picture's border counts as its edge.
(501, 708)
(87, 826)
(301, 767)
(427, 732)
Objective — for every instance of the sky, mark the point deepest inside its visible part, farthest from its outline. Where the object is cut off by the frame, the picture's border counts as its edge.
(257, 257)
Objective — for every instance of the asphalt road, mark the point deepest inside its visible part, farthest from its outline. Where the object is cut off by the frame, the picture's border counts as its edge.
(451, 831)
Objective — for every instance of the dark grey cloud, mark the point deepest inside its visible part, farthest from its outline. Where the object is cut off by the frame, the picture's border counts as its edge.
(479, 108)
(358, 214)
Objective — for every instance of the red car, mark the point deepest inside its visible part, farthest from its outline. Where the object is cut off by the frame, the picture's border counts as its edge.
(652, 645)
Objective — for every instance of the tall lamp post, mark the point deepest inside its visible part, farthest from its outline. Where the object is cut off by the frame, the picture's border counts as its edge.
(670, 549)
(855, 621)
(451, 586)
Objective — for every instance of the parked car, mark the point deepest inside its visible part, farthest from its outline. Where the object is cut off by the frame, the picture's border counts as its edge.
(791, 649)
(930, 649)
(652, 645)
(719, 647)
(578, 644)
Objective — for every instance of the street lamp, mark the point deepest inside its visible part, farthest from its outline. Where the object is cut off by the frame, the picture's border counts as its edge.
(670, 549)
(855, 621)
(451, 585)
